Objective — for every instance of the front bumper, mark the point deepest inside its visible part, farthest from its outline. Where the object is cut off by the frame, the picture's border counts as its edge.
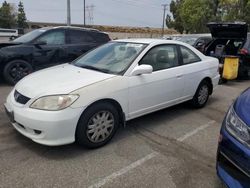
(50, 128)
(233, 161)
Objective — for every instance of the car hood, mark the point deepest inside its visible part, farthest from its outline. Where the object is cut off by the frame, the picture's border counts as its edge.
(242, 106)
(228, 30)
(61, 79)
(7, 44)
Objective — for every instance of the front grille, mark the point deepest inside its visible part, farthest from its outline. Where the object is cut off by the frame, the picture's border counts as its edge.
(20, 98)
(234, 170)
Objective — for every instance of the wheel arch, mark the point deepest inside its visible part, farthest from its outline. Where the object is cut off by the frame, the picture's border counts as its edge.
(115, 103)
(209, 81)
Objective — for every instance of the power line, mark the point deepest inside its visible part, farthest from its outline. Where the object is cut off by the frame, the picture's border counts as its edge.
(122, 16)
(90, 12)
(135, 4)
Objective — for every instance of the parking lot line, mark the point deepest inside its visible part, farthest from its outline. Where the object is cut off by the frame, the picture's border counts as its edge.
(189, 134)
(146, 158)
(124, 170)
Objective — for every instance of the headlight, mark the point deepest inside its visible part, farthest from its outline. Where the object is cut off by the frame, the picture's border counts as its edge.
(237, 127)
(54, 102)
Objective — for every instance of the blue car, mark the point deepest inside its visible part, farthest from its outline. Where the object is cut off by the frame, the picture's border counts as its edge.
(233, 156)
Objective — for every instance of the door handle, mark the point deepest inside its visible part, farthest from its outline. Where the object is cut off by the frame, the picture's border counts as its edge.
(179, 75)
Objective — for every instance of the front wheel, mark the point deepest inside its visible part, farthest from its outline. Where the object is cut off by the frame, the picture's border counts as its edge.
(202, 94)
(97, 125)
(16, 70)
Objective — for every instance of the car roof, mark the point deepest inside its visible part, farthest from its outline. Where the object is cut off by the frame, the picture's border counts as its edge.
(149, 41)
(71, 27)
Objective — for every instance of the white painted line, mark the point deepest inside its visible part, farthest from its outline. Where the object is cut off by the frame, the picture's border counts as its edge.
(189, 134)
(135, 164)
(124, 170)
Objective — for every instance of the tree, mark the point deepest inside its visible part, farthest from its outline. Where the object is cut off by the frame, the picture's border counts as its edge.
(21, 16)
(192, 15)
(195, 14)
(7, 16)
(176, 21)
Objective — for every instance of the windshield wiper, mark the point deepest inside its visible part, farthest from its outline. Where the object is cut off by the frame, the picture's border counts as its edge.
(95, 68)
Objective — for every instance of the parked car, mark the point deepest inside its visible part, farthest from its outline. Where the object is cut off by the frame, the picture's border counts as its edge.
(233, 154)
(44, 48)
(230, 39)
(86, 100)
(199, 41)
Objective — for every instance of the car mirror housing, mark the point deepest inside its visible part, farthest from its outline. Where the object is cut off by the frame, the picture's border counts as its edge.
(142, 69)
(40, 43)
(200, 44)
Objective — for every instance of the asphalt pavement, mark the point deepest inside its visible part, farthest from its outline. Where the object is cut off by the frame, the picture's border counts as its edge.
(172, 148)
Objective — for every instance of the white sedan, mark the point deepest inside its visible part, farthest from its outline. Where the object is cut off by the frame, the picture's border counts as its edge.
(87, 100)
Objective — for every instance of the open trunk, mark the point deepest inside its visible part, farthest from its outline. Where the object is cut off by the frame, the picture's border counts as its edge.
(224, 47)
(228, 38)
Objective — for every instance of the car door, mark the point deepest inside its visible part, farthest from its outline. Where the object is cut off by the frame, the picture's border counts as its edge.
(193, 69)
(162, 88)
(50, 49)
(78, 43)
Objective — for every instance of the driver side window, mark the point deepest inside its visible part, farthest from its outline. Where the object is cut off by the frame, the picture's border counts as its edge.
(161, 57)
(53, 38)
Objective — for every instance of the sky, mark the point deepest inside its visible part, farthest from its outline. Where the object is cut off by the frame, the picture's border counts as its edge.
(142, 13)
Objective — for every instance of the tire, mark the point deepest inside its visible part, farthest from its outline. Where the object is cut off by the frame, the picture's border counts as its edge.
(222, 81)
(202, 94)
(16, 70)
(94, 121)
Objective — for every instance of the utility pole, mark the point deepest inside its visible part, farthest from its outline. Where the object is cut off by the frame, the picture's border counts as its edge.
(164, 16)
(90, 14)
(84, 9)
(68, 13)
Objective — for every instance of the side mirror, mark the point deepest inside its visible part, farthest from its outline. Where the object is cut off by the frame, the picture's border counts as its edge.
(142, 69)
(200, 44)
(40, 43)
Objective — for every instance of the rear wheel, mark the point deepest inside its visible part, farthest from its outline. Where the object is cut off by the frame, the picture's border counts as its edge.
(97, 125)
(202, 94)
(16, 70)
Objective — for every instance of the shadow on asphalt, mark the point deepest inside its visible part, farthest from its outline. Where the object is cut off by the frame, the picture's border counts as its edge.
(2, 82)
(75, 150)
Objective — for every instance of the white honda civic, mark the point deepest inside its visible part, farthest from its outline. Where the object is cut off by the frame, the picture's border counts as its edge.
(87, 100)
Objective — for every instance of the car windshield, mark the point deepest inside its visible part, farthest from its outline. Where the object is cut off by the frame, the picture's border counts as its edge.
(29, 36)
(113, 57)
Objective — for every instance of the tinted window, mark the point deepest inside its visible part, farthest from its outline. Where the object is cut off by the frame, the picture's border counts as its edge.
(100, 37)
(78, 37)
(161, 57)
(188, 56)
(30, 36)
(53, 38)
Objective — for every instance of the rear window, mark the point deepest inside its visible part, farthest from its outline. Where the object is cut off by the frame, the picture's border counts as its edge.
(78, 37)
(100, 37)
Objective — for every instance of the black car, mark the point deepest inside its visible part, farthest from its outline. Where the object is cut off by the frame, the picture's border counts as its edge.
(46, 47)
(199, 41)
(230, 39)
